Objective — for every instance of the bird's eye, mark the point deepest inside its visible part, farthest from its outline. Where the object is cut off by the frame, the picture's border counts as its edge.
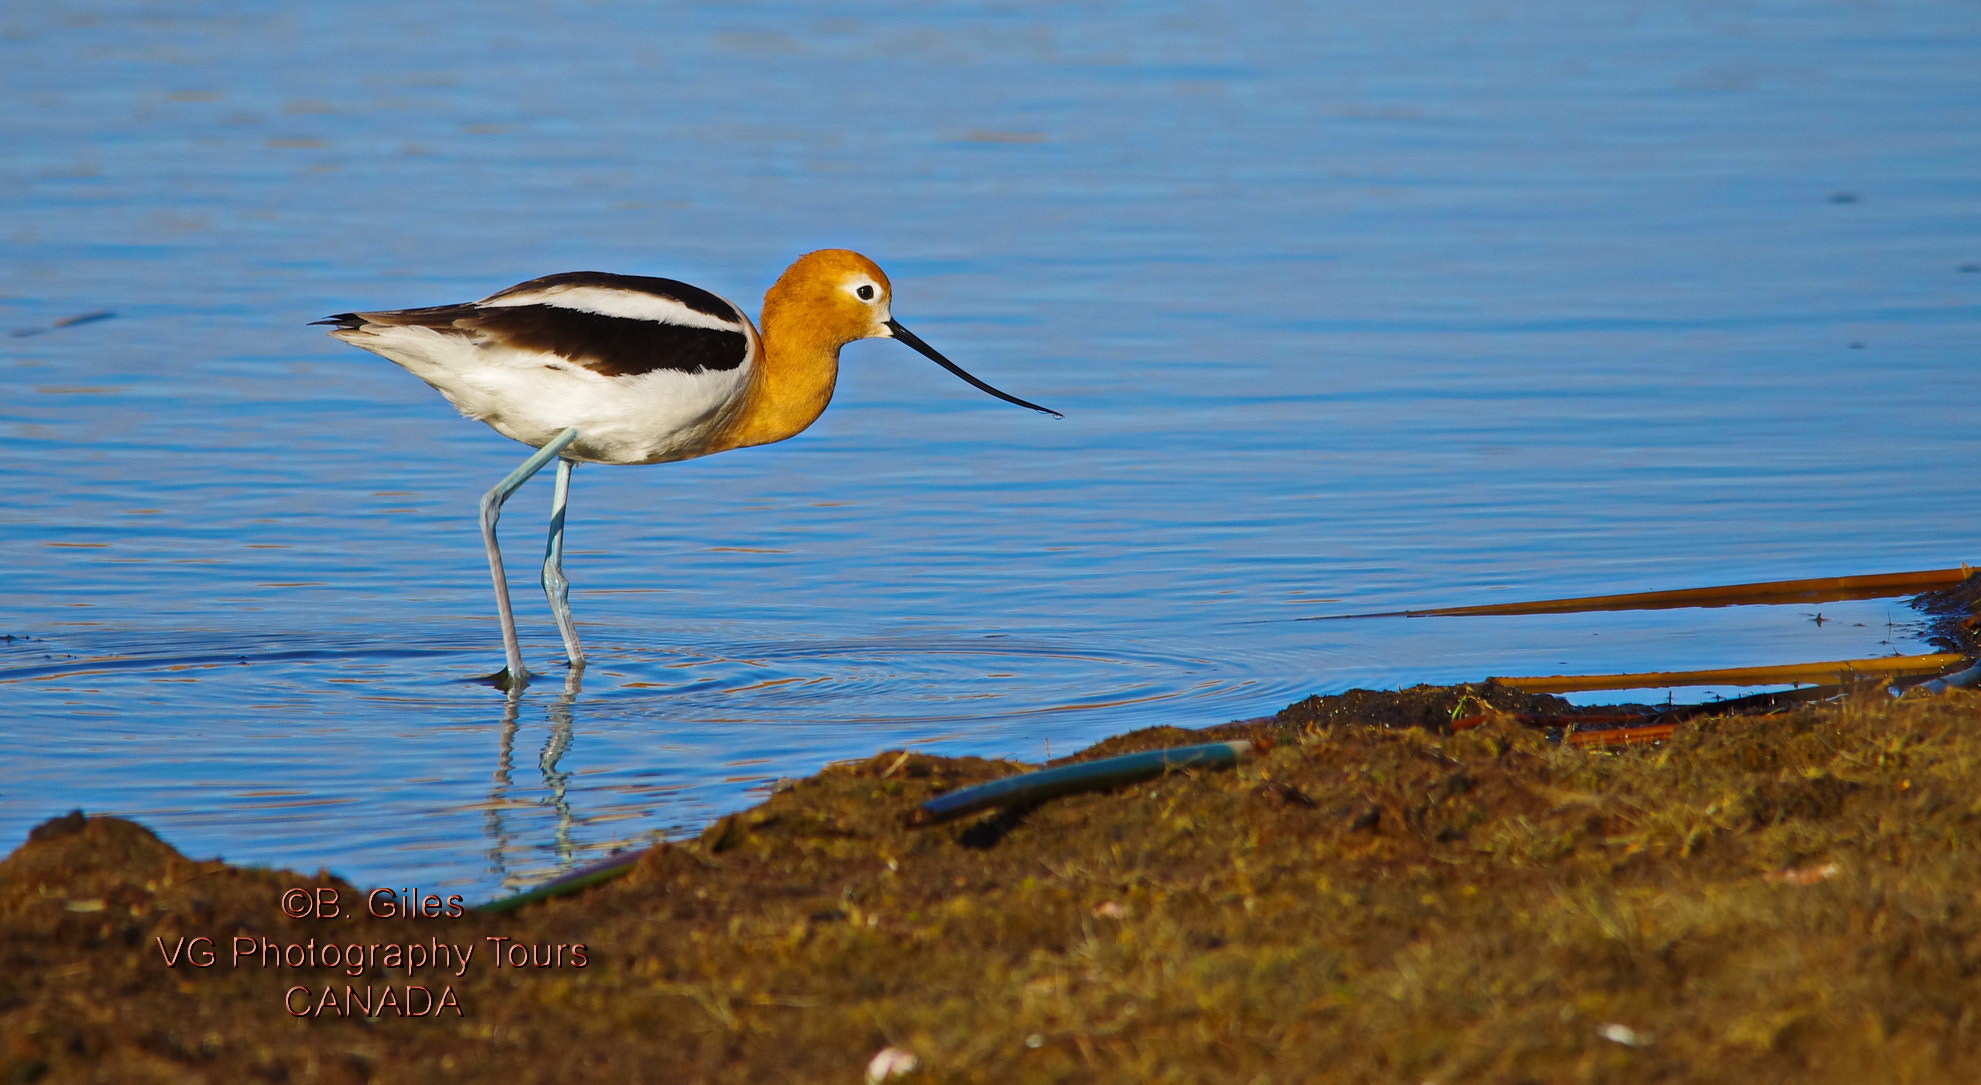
(866, 292)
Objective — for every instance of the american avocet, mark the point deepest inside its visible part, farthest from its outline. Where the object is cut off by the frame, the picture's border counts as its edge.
(596, 368)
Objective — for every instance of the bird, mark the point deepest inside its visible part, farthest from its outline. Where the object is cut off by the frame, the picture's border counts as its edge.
(595, 367)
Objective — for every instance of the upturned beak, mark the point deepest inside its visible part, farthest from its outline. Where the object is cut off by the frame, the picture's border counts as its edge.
(931, 354)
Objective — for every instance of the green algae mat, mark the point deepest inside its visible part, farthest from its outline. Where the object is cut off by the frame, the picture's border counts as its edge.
(1783, 898)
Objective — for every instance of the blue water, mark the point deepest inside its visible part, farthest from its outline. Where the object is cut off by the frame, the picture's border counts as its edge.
(1349, 308)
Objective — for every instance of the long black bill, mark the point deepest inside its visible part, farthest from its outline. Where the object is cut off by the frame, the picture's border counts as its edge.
(929, 352)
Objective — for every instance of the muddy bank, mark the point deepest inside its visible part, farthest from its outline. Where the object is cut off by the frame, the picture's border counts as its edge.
(1758, 898)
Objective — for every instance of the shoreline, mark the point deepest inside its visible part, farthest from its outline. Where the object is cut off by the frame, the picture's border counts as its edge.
(1370, 896)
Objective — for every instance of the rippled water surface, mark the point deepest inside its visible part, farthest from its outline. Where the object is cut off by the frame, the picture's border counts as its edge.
(1348, 307)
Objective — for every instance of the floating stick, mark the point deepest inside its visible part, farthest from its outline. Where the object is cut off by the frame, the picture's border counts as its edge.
(1835, 671)
(1819, 590)
(582, 878)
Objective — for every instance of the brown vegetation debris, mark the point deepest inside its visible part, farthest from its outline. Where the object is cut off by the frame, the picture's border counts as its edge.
(1769, 899)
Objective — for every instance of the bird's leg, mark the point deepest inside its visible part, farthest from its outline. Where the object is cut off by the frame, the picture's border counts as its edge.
(515, 676)
(555, 587)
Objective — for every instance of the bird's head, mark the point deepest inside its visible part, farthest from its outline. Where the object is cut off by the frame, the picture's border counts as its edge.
(834, 296)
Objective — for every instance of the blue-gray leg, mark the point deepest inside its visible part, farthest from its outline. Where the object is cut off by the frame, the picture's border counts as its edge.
(555, 587)
(515, 676)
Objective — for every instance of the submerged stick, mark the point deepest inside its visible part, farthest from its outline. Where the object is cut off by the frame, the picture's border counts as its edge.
(1834, 671)
(1031, 787)
(65, 322)
(1824, 589)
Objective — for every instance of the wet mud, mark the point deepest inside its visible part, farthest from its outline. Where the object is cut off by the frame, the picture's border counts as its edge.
(1373, 896)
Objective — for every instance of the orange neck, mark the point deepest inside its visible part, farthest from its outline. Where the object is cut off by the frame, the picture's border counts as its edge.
(823, 301)
(793, 379)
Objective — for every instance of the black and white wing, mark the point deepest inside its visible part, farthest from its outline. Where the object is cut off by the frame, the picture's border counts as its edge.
(641, 365)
